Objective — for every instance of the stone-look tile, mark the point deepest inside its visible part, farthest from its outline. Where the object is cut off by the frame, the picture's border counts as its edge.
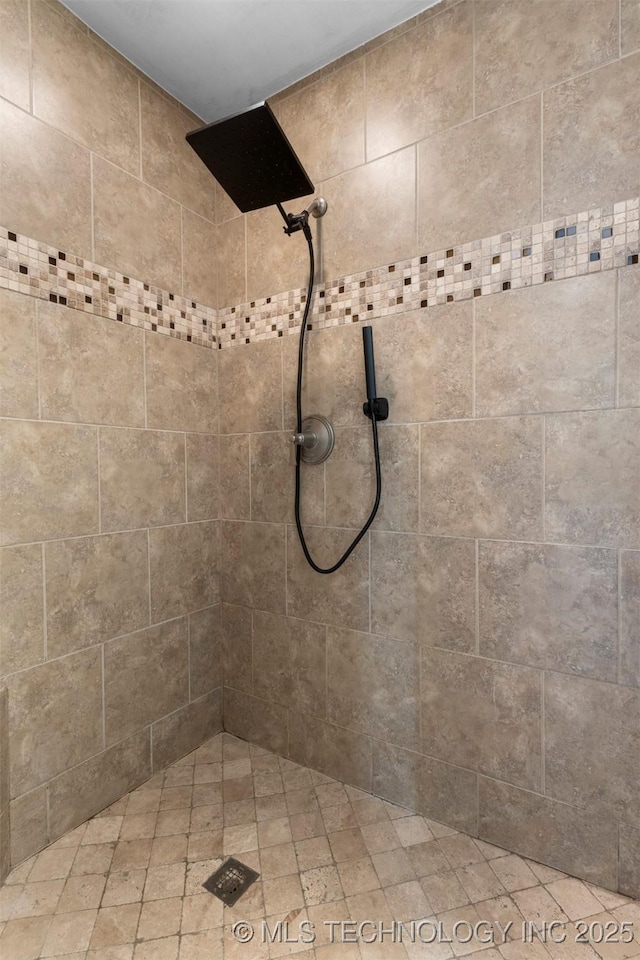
(334, 751)
(24, 937)
(93, 785)
(601, 721)
(550, 607)
(49, 481)
(336, 103)
(21, 601)
(199, 258)
(424, 363)
(97, 588)
(168, 162)
(351, 237)
(583, 452)
(145, 677)
(225, 207)
(181, 382)
(250, 385)
(69, 933)
(482, 478)
(258, 721)
(184, 565)
(630, 24)
(90, 370)
(136, 229)
(373, 686)
(29, 828)
(483, 715)
(186, 729)
(420, 82)
(289, 662)
(565, 837)
(629, 875)
(342, 598)
(237, 647)
(275, 262)
(522, 47)
(235, 477)
(629, 334)
(548, 347)
(142, 478)
(253, 565)
(14, 73)
(480, 178)
(232, 262)
(18, 344)
(273, 481)
(205, 651)
(56, 718)
(575, 113)
(630, 618)
(46, 192)
(203, 470)
(114, 926)
(423, 588)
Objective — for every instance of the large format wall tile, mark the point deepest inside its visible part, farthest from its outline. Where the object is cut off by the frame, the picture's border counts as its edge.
(91, 371)
(237, 640)
(97, 588)
(482, 478)
(550, 607)
(275, 262)
(290, 662)
(48, 481)
(181, 384)
(601, 721)
(18, 354)
(22, 605)
(184, 566)
(251, 401)
(14, 68)
(199, 258)
(203, 474)
(342, 754)
(205, 651)
(480, 178)
(482, 715)
(629, 338)
(629, 871)
(584, 451)
(601, 107)
(235, 479)
(420, 82)
(29, 827)
(273, 482)
(549, 347)
(255, 720)
(185, 729)
(423, 588)
(232, 262)
(253, 565)
(630, 24)
(142, 480)
(630, 617)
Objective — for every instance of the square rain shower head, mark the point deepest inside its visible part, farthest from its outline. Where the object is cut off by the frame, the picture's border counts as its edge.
(251, 158)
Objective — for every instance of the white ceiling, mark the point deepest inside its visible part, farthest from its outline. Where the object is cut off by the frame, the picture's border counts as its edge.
(221, 56)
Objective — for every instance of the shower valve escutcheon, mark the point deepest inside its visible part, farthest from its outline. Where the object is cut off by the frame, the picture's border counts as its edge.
(316, 440)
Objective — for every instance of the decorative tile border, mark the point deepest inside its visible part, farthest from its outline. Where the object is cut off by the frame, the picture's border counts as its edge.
(589, 242)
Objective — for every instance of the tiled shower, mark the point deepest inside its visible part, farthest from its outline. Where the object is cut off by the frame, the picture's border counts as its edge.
(477, 660)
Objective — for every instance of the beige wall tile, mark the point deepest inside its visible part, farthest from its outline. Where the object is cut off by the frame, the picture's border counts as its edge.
(342, 754)
(250, 384)
(97, 588)
(168, 162)
(232, 262)
(184, 565)
(257, 721)
(225, 207)
(181, 385)
(273, 481)
(22, 605)
(342, 598)
(203, 473)
(522, 47)
(568, 838)
(421, 82)
(630, 617)
(237, 647)
(373, 686)
(187, 728)
(136, 229)
(29, 830)
(5, 776)
(629, 338)
(15, 61)
(205, 651)
(46, 192)
(276, 262)
(550, 347)
(578, 114)
(55, 718)
(335, 105)
(481, 178)
(91, 370)
(146, 676)
(423, 588)
(630, 23)
(80, 89)
(199, 258)
(253, 565)
(482, 715)
(49, 481)
(235, 482)
(18, 354)
(290, 662)
(482, 478)
(629, 874)
(437, 790)
(142, 480)
(550, 607)
(584, 451)
(359, 233)
(601, 721)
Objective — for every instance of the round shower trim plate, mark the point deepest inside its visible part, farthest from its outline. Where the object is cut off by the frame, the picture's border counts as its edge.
(318, 439)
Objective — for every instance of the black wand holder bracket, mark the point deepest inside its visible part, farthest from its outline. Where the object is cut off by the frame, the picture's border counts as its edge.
(380, 408)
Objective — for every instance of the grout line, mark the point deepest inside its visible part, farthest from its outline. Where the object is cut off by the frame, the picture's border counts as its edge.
(543, 465)
(45, 631)
(477, 597)
(30, 42)
(182, 253)
(144, 378)
(364, 109)
(473, 361)
(543, 772)
(619, 29)
(99, 480)
(149, 574)
(92, 207)
(36, 317)
(619, 616)
(186, 481)
(616, 362)
(189, 684)
(104, 706)
(140, 127)
(473, 60)
(542, 156)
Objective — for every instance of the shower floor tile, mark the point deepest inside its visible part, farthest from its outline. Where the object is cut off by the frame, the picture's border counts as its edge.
(335, 864)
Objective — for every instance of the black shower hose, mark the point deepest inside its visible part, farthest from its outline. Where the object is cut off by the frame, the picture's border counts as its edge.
(374, 426)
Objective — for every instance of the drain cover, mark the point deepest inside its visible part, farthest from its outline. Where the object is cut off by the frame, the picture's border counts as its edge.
(230, 881)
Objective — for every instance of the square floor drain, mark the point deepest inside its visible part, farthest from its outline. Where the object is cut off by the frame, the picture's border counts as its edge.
(230, 881)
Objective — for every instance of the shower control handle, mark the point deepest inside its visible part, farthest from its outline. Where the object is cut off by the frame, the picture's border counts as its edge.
(304, 439)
